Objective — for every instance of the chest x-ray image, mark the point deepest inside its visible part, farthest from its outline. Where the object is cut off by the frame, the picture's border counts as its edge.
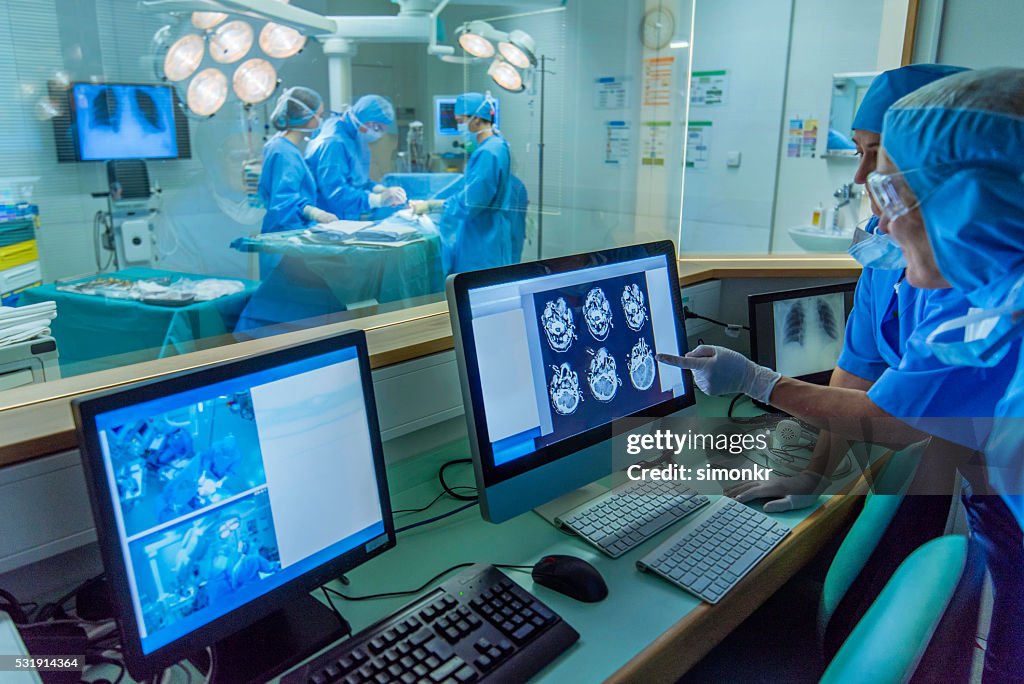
(121, 121)
(809, 333)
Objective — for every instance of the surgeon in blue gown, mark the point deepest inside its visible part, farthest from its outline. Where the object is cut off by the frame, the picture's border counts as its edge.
(286, 186)
(885, 371)
(339, 158)
(289, 291)
(476, 224)
(951, 173)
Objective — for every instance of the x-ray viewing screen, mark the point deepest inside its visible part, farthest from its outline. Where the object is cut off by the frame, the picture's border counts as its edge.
(114, 121)
(563, 353)
(227, 491)
(802, 336)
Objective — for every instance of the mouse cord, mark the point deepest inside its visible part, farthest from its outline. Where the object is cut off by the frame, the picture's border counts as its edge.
(391, 594)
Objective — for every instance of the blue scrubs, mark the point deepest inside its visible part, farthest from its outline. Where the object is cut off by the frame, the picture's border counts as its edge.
(339, 159)
(477, 222)
(520, 201)
(286, 187)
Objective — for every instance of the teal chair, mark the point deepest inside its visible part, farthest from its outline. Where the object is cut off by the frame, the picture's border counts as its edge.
(921, 627)
(890, 527)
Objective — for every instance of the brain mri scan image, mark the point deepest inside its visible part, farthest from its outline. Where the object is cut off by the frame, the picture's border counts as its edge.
(597, 312)
(565, 390)
(808, 333)
(558, 325)
(602, 377)
(642, 368)
(634, 307)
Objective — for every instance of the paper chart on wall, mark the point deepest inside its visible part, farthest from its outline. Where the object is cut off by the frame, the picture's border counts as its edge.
(655, 142)
(658, 81)
(698, 144)
(611, 92)
(618, 146)
(709, 88)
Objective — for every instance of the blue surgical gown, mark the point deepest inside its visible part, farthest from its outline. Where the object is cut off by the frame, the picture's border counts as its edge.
(286, 187)
(476, 225)
(885, 344)
(520, 201)
(340, 161)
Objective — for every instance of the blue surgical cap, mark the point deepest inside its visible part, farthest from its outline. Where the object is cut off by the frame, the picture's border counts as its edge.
(374, 109)
(890, 86)
(965, 164)
(475, 104)
(296, 107)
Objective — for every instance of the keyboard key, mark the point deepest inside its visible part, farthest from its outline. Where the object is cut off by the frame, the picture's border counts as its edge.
(484, 662)
(524, 632)
(445, 670)
(466, 674)
(408, 678)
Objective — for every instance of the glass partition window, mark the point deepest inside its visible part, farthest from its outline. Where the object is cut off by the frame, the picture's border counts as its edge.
(174, 180)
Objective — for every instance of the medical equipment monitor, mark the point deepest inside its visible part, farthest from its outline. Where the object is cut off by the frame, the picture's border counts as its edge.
(108, 121)
(446, 130)
(224, 494)
(551, 353)
(800, 332)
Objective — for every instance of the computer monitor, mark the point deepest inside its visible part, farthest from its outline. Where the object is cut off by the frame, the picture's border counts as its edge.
(446, 130)
(108, 121)
(551, 353)
(222, 496)
(800, 332)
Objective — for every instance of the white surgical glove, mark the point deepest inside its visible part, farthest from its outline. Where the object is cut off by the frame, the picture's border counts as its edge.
(718, 370)
(786, 493)
(420, 207)
(393, 197)
(319, 215)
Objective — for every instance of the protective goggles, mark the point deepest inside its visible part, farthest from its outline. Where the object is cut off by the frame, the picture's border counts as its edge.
(893, 194)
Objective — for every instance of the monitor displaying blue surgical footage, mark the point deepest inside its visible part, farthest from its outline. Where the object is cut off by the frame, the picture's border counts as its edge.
(227, 491)
(584, 341)
(124, 121)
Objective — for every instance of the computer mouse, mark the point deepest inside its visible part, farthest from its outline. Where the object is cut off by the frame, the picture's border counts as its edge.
(574, 577)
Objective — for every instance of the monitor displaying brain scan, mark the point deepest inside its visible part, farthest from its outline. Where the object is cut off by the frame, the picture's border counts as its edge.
(584, 341)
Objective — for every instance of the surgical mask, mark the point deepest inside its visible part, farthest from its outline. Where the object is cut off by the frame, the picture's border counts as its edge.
(463, 127)
(372, 136)
(876, 250)
(979, 339)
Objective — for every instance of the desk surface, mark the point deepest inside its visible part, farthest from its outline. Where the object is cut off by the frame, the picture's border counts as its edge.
(646, 630)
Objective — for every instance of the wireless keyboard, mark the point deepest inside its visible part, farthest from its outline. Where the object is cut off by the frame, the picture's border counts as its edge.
(711, 554)
(477, 626)
(631, 513)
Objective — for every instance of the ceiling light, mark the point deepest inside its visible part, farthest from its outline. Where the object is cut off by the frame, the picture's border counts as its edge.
(184, 57)
(231, 42)
(207, 92)
(472, 38)
(519, 49)
(281, 41)
(207, 20)
(679, 44)
(254, 80)
(506, 76)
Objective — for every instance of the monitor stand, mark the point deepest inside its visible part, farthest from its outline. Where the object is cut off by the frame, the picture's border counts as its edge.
(277, 642)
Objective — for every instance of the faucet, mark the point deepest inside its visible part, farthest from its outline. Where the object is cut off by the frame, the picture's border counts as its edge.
(844, 194)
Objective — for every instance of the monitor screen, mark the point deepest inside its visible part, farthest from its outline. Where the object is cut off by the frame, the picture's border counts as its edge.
(555, 351)
(213, 492)
(124, 121)
(800, 332)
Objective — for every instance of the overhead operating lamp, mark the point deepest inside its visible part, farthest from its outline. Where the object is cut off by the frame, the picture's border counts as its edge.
(519, 50)
(516, 50)
(281, 41)
(473, 37)
(506, 76)
(207, 92)
(231, 41)
(254, 81)
(207, 20)
(183, 57)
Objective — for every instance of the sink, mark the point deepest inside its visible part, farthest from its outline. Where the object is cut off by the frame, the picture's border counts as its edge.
(814, 239)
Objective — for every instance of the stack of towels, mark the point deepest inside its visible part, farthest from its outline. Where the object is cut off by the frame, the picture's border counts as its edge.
(25, 323)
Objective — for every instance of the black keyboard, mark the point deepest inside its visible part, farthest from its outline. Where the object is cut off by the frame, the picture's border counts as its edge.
(478, 625)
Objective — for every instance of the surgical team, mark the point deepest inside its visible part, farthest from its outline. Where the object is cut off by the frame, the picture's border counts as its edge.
(330, 180)
(932, 347)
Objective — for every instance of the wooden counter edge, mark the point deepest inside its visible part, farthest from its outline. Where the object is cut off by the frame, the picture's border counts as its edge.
(392, 338)
(683, 645)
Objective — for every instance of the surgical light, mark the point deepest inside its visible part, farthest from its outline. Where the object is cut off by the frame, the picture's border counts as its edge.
(506, 76)
(231, 42)
(280, 41)
(183, 57)
(207, 20)
(254, 80)
(207, 92)
(519, 49)
(472, 39)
